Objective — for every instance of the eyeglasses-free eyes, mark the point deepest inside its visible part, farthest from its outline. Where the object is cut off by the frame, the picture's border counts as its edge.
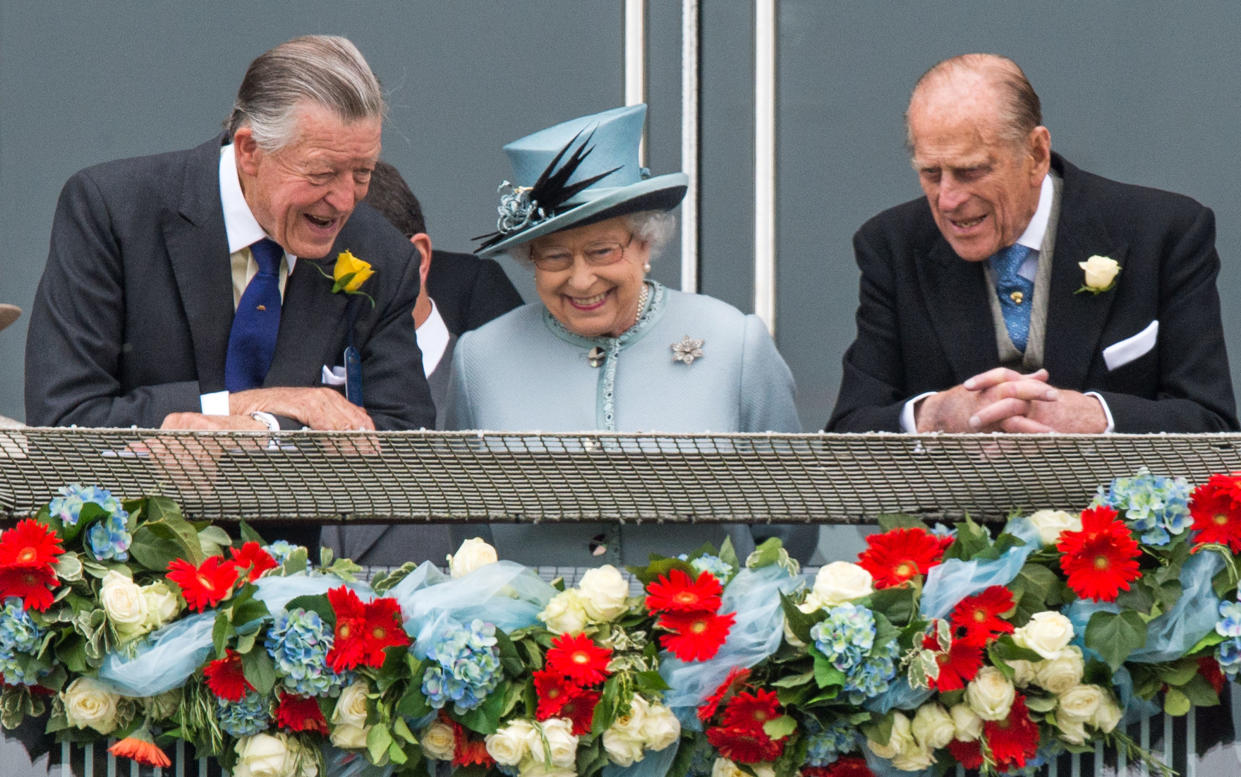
(596, 255)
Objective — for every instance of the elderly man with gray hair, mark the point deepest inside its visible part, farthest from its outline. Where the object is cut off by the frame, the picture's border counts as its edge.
(195, 289)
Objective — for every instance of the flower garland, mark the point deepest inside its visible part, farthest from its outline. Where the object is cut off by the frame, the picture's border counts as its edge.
(998, 650)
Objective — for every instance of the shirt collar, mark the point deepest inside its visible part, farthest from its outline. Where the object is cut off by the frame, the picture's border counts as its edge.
(240, 225)
(1037, 228)
(432, 340)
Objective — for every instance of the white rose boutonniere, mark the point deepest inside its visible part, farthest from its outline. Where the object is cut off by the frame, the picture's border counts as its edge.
(1100, 272)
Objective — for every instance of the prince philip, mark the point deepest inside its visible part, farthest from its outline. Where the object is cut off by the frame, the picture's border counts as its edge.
(194, 289)
(1022, 294)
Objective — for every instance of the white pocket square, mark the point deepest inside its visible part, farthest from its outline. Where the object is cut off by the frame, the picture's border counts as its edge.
(1120, 353)
(334, 376)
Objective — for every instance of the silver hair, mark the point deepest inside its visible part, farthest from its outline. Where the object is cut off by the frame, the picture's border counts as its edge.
(1019, 110)
(654, 227)
(325, 70)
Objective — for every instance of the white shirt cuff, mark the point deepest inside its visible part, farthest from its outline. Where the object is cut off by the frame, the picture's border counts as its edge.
(1107, 411)
(909, 424)
(215, 403)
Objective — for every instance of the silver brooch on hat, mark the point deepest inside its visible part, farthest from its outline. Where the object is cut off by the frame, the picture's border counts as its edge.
(688, 349)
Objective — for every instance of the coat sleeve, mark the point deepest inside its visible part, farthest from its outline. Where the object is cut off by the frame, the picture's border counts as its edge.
(77, 327)
(767, 389)
(456, 413)
(493, 295)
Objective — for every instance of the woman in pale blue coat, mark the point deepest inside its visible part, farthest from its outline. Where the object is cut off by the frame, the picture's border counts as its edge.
(606, 348)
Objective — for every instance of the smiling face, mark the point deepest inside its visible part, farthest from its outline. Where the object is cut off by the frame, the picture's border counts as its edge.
(302, 193)
(589, 299)
(982, 185)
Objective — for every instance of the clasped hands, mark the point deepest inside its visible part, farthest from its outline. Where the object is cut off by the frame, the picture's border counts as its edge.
(1004, 400)
(317, 408)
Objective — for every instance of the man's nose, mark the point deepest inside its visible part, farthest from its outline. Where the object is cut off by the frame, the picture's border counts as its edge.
(343, 195)
(951, 194)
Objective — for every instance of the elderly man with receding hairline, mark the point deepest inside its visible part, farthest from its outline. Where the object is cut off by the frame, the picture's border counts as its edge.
(1022, 294)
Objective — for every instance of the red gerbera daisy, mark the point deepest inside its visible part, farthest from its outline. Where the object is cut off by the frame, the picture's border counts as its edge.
(734, 682)
(695, 636)
(1208, 667)
(1216, 513)
(300, 713)
(678, 593)
(1015, 739)
(580, 710)
(33, 585)
(849, 766)
(139, 747)
(225, 677)
(363, 630)
(976, 619)
(900, 554)
(206, 585)
(252, 556)
(29, 545)
(745, 745)
(553, 690)
(957, 666)
(751, 709)
(579, 659)
(968, 754)
(1101, 559)
(468, 751)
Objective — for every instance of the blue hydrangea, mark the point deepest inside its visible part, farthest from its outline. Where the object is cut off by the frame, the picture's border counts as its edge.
(717, 566)
(1157, 507)
(1229, 624)
(845, 636)
(108, 539)
(73, 497)
(280, 550)
(1228, 654)
(828, 744)
(464, 667)
(872, 676)
(245, 717)
(298, 642)
(20, 638)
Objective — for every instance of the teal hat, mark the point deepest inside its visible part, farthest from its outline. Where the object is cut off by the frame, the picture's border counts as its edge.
(576, 173)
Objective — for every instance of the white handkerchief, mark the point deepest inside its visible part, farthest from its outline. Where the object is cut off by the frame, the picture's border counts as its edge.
(334, 376)
(1120, 353)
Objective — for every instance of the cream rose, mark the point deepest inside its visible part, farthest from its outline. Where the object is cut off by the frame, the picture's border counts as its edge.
(1071, 730)
(90, 704)
(565, 613)
(533, 768)
(511, 743)
(840, 582)
(1047, 633)
(162, 604)
(473, 553)
(622, 749)
(990, 694)
(1024, 671)
(1100, 272)
(604, 593)
(901, 741)
(914, 760)
(349, 727)
(272, 755)
(1108, 714)
(438, 741)
(933, 727)
(630, 724)
(1051, 522)
(349, 737)
(660, 728)
(1062, 671)
(124, 605)
(722, 767)
(966, 722)
(558, 744)
(1080, 703)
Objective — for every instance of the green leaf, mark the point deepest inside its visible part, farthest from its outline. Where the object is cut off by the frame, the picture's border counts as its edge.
(259, 670)
(793, 681)
(891, 521)
(248, 534)
(971, 540)
(1176, 703)
(510, 659)
(1180, 672)
(1004, 649)
(213, 540)
(826, 675)
(402, 730)
(897, 604)
(798, 622)
(1036, 703)
(650, 682)
(1200, 692)
(221, 630)
(878, 731)
(158, 542)
(485, 718)
(779, 727)
(1114, 636)
(766, 554)
(377, 742)
(317, 603)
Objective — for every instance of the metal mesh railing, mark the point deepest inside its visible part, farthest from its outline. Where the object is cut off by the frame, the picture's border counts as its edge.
(477, 476)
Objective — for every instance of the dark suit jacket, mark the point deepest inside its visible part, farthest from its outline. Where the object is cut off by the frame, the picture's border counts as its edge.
(469, 291)
(132, 316)
(924, 320)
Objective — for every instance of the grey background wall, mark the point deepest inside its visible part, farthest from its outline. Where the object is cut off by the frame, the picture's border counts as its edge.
(1139, 91)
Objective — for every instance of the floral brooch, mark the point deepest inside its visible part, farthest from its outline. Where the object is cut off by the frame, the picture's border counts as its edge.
(688, 349)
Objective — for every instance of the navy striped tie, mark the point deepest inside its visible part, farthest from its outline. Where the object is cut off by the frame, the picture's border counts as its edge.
(252, 340)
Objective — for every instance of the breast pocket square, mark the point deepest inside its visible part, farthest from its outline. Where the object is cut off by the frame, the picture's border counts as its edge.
(1122, 352)
(334, 376)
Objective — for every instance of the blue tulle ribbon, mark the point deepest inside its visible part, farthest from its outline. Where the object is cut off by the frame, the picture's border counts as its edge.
(653, 764)
(950, 582)
(899, 696)
(351, 763)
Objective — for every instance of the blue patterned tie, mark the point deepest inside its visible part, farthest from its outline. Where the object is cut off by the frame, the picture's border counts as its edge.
(252, 340)
(1015, 292)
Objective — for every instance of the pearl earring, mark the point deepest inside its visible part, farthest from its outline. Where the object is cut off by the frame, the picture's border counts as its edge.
(646, 267)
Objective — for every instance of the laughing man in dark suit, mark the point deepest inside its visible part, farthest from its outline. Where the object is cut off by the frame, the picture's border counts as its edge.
(1023, 294)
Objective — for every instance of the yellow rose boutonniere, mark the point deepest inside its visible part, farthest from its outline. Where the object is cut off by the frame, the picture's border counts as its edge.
(348, 274)
(1100, 272)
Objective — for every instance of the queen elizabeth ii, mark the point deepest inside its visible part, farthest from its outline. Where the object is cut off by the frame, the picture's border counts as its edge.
(605, 347)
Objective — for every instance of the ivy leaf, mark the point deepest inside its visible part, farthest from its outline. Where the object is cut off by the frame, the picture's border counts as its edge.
(782, 726)
(378, 740)
(1176, 703)
(826, 675)
(259, 670)
(1114, 636)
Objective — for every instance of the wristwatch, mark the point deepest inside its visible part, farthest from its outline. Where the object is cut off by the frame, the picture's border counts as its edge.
(266, 418)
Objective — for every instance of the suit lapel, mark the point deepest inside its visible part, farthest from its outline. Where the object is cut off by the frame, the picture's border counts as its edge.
(955, 292)
(309, 318)
(198, 252)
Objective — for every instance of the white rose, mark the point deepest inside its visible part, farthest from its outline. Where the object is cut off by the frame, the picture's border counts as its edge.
(124, 605)
(90, 703)
(726, 768)
(510, 743)
(1024, 671)
(630, 724)
(840, 582)
(604, 593)
(1071, 730)
(990, 694)
(162, 604)
(473, 553)
(622, 749)
(565, 613)
(1047, 633)
(933, 727)
(660, 728)
(349, 737)
(1051, 522)
(270, 755)
(1062, 671)
(901, 741)
(1100, 272)
(966, 722)
(1079, 703)
(914, 760)
(558, 743)
(350, 707)
(438, 741)
(1108, 714)
(533, 768)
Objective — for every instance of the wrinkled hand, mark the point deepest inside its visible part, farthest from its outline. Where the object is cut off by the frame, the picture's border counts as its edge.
(214, 423)
(317, 408)
(1004, 400)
